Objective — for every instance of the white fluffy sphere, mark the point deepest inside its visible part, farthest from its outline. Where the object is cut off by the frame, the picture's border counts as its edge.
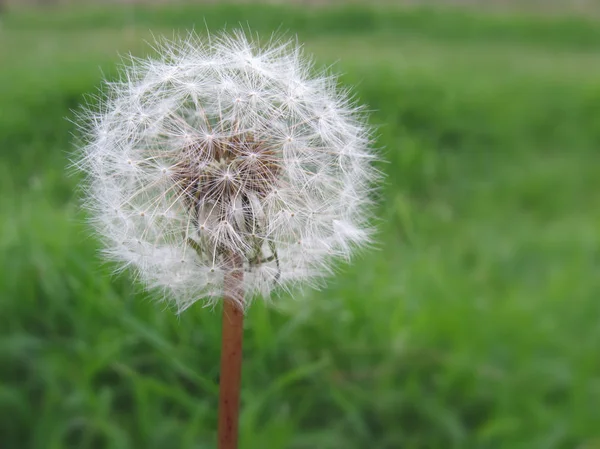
(224, 150)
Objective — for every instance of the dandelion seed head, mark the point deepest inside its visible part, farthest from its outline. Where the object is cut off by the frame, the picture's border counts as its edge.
(223, 148)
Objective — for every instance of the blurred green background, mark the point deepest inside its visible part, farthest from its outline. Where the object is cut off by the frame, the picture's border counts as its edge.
(475, 323)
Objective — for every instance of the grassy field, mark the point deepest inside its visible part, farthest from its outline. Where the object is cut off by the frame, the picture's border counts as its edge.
(474, 324)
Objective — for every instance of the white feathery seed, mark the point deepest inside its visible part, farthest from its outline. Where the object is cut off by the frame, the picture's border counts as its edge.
(222, 149)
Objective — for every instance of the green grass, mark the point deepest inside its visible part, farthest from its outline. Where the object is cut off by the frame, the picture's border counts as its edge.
(474, 324)
(565, 30)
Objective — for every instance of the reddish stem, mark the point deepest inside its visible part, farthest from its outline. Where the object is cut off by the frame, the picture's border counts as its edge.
(231, 357)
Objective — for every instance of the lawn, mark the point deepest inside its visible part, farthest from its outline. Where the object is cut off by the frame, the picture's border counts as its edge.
(473, 323)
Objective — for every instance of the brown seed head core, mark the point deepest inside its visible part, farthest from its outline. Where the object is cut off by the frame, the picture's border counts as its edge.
(225, 178)
(216, 171)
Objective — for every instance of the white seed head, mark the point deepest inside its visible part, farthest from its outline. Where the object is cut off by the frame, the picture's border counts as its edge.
(224, 149)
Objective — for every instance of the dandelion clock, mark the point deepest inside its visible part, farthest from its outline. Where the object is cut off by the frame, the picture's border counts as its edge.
(222, 170)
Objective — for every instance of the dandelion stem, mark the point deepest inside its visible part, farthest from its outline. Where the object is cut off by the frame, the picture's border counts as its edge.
(231, 356)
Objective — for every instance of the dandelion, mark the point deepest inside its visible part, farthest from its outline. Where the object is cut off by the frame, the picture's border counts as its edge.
(226, 169)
